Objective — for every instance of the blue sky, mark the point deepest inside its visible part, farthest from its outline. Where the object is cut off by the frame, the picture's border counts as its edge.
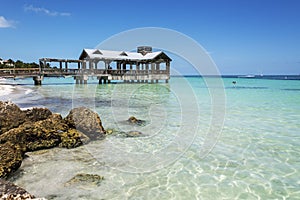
(241, 36)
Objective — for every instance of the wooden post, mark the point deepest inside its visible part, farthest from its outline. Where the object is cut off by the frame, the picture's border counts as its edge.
(60, 66)
(84, 65)
(66, 66)
(106, 68)
(118, 67)
(138, 73)
(157, 68)
(168, 70)
(90, 65)
(168, 67)
(152, 68)
(124, 68)
(95, 65)
(37, 80)
(85, 79)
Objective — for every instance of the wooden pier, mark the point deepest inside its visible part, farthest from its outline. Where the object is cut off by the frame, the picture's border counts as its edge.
(143, 66)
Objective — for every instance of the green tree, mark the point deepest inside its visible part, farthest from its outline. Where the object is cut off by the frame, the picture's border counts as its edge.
(19, 64)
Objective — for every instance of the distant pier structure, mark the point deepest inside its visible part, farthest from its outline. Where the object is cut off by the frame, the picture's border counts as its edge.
(142, 66)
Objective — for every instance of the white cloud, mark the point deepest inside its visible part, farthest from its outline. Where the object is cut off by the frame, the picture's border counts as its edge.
(5, 23)
(46, 11)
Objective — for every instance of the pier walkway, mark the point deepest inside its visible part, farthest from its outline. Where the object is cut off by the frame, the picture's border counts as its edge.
(143, 66)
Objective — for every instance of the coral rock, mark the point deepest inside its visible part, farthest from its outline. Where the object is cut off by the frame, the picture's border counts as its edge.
(86, 121)
(10, 159)
(9, 191)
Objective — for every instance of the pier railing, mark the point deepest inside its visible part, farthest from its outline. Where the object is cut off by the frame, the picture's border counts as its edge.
(52, 72)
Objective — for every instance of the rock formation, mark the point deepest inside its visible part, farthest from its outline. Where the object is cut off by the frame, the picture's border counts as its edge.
(86, 121)
(37, 128)
(135, 121)
(12, 116)
(9, 191)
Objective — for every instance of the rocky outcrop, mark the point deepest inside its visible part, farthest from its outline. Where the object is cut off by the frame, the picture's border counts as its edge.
(38, 129)
(86, 121)
(10, 158)
(73, 138)
(37, 114)
(12, 116)
(35, 136)
(135, 121)
(9, 191)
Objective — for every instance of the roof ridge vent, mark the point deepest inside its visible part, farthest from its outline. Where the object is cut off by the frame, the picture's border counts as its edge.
(144, 50)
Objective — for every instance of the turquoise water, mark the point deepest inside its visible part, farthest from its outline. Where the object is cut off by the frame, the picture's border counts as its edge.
(182, 154)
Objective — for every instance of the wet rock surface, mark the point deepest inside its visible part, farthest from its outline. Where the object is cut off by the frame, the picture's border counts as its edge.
(128, 134)
(83, 178)
(37, 129)
(11, 116)
(37, 114)
(10, 191)
(134, 121)
(10, 158)
(86, 121)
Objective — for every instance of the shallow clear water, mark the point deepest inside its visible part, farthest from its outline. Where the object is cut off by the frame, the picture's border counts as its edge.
(182, 155)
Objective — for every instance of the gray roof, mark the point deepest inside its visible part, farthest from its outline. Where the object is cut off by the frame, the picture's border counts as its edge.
(100, 54)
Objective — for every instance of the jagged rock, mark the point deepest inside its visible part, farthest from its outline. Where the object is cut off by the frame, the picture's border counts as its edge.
(11, 116)
(135, 121)
(44, 134)
(10, 191)
(37, 114)
(86, 121)
(94, 179)
(10, 158)
(73, 138)
(38, 128)
(39, 135)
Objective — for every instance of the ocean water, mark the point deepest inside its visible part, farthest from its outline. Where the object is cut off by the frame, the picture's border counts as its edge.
(204, 138)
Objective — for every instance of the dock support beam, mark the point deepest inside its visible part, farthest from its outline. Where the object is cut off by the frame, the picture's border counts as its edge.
(38, 80)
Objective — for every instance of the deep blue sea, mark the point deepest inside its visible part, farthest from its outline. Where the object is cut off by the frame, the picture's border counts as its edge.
(204, 138)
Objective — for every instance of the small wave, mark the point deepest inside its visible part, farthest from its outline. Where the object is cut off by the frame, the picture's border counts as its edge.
(28, 91)
(6, 90)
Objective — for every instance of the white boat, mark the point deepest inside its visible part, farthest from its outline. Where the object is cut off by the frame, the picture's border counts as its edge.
(247, 76)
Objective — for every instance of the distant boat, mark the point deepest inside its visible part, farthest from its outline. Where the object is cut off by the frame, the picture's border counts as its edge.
(247, 76)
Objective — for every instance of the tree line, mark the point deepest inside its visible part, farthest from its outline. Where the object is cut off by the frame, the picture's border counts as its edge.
(18, 64)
